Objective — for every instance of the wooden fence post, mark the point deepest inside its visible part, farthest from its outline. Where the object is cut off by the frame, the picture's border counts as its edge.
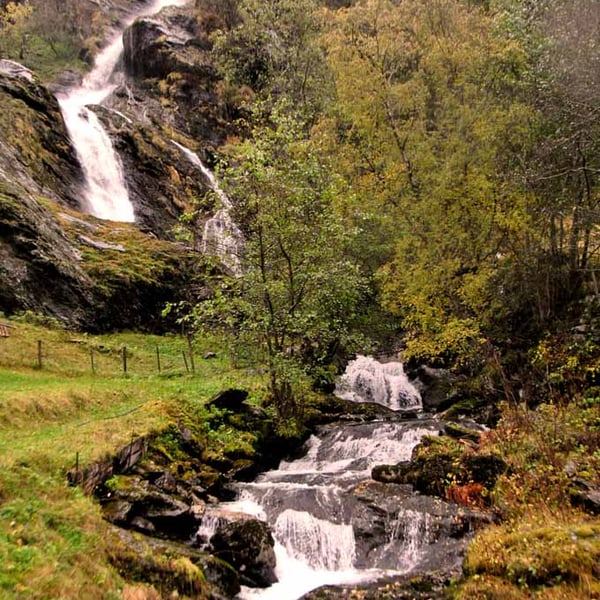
(39, 354)
(158, 358)
(124, 359)
(191, 352)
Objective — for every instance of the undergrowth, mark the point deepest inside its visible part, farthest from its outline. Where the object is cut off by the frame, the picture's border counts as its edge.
(545, 545)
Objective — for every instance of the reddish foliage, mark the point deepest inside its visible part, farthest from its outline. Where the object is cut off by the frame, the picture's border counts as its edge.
(470, 494)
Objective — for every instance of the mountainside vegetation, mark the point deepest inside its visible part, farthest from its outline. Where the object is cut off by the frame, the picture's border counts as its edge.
(419, 176)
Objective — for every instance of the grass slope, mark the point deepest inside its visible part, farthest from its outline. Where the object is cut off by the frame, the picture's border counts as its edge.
(51, 536)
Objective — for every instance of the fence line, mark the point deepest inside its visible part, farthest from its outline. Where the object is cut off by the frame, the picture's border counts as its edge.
(55, 356)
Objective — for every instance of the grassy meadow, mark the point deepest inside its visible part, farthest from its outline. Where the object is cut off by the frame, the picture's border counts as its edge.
(51, 536)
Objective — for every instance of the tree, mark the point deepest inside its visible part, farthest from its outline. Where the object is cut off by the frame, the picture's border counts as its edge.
(63, 24)
(274, 51)
(431, 114)
(298, 293)
(13, 18)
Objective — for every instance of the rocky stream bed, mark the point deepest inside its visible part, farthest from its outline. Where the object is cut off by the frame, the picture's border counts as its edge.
(337, 514)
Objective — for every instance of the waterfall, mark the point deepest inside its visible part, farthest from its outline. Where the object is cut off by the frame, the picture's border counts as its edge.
(104, 191)
(321, 544)
(312, 508)
(222, 237)
(412, 528)
(367, 380)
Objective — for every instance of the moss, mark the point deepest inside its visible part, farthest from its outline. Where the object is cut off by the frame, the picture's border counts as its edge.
(540, 552)
(162, 567)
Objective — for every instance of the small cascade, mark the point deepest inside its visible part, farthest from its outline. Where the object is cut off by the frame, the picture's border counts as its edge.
(208, 527)
(367, 380)
(222, 237)
(412, 528)
(319, 543)
(105, 190)
(312, 508)
(410, 532)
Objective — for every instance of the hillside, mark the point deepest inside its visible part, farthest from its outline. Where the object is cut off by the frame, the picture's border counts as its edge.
(287, 184)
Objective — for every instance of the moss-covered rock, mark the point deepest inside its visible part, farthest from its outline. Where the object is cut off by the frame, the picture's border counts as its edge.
(171, 568)
(538, 556)
(35, 149)
(443, 466)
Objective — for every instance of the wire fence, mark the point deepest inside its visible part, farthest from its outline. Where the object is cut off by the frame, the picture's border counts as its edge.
(63, 353)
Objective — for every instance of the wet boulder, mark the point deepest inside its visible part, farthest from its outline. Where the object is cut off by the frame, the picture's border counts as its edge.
(436, 386)
(231, 399)
(428, 533)
(422, 587)
(247, 544)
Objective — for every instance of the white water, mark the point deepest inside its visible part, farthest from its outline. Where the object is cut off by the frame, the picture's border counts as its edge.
(367, 380)
(105, 191)
(222, 237)
(309, 505)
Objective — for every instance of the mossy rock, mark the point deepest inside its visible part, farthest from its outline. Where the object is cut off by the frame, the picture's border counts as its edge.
(441, 462)
(170, 567)
(534, 555)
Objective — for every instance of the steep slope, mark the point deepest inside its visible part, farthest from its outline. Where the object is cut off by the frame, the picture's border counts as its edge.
(90, 274)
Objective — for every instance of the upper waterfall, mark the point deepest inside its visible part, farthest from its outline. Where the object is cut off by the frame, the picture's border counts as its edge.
(105, 190)
(221, 237)
(367, 380)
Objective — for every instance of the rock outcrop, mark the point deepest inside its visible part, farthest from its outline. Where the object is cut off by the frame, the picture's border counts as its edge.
(92, 275)
(35, 151)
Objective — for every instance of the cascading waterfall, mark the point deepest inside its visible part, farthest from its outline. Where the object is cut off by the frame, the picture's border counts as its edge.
(321, 544)
(312, 507)
(222, 237)
(105, 191)
(367, 380)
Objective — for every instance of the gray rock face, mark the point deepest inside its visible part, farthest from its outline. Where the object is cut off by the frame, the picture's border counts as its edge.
(39, 268)
(158, 46)
(430, 532)
(35, 150)
(160, 180)
(172, 77)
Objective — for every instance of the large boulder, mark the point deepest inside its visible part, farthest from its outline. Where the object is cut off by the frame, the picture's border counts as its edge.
(247, 544)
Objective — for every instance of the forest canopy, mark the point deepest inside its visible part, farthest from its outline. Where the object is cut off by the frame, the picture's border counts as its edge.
(466, 137)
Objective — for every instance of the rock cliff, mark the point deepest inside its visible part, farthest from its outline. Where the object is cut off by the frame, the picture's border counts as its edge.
(168, 92)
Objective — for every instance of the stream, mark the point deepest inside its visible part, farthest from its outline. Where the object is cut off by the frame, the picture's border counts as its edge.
(331, 523)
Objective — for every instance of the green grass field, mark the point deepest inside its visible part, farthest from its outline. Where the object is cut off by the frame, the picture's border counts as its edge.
(51, 536)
